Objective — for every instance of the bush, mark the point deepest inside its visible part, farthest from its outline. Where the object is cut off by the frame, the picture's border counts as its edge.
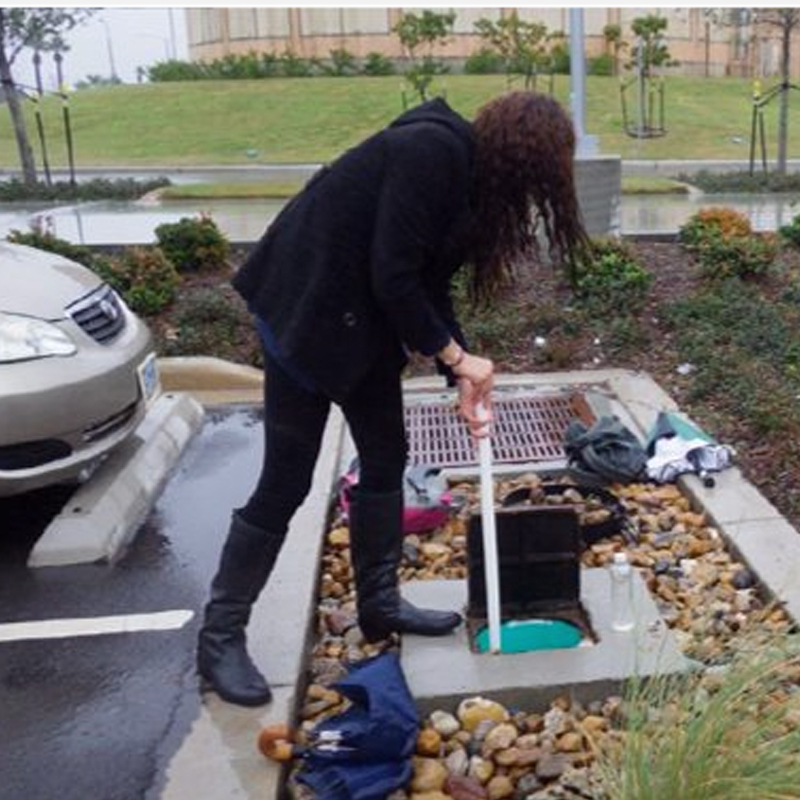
(377, 64)
(213, 321)
(95, 189)
(52, 244)
(601, 65)
(193, 243)
(610, 277)
(293, 66)
(484, 62)
(742, 181)
(342, 63)
(709, 221)
(145, 277)
(724, 244)
(791, 232)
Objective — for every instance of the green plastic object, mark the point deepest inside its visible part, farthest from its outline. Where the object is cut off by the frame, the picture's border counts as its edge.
(525, 636)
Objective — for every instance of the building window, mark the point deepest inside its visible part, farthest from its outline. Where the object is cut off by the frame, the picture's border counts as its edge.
(242, 23)
(272, 23)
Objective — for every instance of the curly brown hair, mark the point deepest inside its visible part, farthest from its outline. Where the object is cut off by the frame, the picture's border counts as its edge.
(525, 144)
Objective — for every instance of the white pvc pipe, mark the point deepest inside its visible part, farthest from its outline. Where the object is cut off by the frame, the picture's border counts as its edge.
(490, 563)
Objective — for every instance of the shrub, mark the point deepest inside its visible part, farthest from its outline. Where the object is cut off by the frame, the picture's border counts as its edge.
(193, 243)
(484, 62)
(377, 64)
(145, 277)
(52, 244)
(601, 65)
(213, 320)
(342, 63)
(791, 232)
(742, 181)
(294, 66)
(725, 245)
(745, 257)
(716, 220)
(95, 189)
(610, 277)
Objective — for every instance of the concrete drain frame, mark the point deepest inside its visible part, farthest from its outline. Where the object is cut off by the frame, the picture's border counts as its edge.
(752, 528)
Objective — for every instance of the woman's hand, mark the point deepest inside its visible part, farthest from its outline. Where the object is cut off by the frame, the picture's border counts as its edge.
(475, 377)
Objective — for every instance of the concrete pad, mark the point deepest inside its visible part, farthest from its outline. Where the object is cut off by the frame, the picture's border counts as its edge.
(442, 671)
(212, 381)
(104, 513)
(220, 758)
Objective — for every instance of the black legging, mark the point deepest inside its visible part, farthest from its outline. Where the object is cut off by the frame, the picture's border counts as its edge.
(294, 422)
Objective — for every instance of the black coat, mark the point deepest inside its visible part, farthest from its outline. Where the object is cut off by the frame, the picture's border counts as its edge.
(358, 265)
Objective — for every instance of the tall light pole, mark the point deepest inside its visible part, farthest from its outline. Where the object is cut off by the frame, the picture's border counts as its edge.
(586, 145)
(112, 65)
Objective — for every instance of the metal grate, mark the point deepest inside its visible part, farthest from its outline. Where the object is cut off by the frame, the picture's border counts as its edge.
(527, 428)
(99, 314)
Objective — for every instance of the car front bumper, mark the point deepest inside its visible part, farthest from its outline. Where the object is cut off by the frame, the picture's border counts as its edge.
(60, 416)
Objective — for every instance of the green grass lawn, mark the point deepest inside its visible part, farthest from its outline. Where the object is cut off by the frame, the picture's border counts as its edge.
(295, 120)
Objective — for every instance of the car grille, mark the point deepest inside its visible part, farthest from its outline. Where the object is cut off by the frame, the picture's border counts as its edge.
(100, 314)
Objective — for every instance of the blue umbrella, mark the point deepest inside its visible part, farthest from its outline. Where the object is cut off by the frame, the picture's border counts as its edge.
(365, 752)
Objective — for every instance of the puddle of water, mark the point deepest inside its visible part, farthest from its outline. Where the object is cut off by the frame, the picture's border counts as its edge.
(658, 213)
(244, 220)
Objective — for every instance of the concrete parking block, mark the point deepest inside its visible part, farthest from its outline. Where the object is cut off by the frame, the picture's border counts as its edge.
(104, 513)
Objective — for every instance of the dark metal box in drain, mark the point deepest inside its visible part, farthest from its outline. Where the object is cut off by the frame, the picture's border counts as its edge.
(538, 554)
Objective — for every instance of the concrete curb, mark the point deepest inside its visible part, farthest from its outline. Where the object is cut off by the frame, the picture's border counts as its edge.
(103, 514)
(212, 381)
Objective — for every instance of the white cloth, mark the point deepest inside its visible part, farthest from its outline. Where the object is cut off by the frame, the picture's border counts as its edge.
(674, 456)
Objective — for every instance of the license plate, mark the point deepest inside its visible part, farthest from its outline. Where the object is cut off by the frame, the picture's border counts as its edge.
(148, 378)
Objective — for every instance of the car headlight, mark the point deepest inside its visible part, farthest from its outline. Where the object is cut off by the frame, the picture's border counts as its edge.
(23, 338)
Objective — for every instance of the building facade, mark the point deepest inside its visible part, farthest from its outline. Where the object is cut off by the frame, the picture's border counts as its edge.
(737, 45)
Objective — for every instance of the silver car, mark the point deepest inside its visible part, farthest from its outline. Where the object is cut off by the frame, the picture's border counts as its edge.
(77, 369)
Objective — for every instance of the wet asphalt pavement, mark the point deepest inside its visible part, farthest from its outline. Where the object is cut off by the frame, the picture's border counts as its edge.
(98, 717)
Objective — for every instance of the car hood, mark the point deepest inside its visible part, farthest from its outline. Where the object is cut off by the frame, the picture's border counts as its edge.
(37, 283)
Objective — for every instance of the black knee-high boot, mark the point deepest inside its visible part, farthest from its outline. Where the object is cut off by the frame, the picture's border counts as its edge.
(376, 543)
(247, 559)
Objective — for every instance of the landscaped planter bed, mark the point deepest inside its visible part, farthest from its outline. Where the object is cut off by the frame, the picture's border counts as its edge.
(709, 599)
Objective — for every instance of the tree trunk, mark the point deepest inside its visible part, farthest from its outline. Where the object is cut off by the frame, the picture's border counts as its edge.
(18, 121)
(783, 116)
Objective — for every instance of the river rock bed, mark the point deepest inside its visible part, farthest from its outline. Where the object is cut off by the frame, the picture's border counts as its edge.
(481, 749)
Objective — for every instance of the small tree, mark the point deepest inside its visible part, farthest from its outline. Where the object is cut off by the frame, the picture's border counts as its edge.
(38, 30)
(612, 34)
(520, 44)
(650, 49)
(424, 32)
(786, 20)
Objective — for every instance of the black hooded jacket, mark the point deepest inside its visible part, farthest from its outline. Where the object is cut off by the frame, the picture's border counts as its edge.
(358, 265)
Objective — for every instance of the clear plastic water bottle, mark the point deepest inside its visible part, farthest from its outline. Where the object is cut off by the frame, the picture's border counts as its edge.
(621, 573)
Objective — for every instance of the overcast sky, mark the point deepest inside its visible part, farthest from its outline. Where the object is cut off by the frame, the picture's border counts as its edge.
(118, 37)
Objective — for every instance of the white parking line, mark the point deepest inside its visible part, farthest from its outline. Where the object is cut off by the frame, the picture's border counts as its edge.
(94, 626)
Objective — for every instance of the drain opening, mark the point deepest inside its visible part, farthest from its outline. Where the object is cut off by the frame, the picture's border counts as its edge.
(527, 428)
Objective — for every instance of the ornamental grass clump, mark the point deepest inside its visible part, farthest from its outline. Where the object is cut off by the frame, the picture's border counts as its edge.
(728, 734)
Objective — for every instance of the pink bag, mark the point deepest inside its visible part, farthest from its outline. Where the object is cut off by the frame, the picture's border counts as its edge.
(427, 502)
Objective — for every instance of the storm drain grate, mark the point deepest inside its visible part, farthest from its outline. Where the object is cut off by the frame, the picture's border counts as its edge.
(526, 429)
